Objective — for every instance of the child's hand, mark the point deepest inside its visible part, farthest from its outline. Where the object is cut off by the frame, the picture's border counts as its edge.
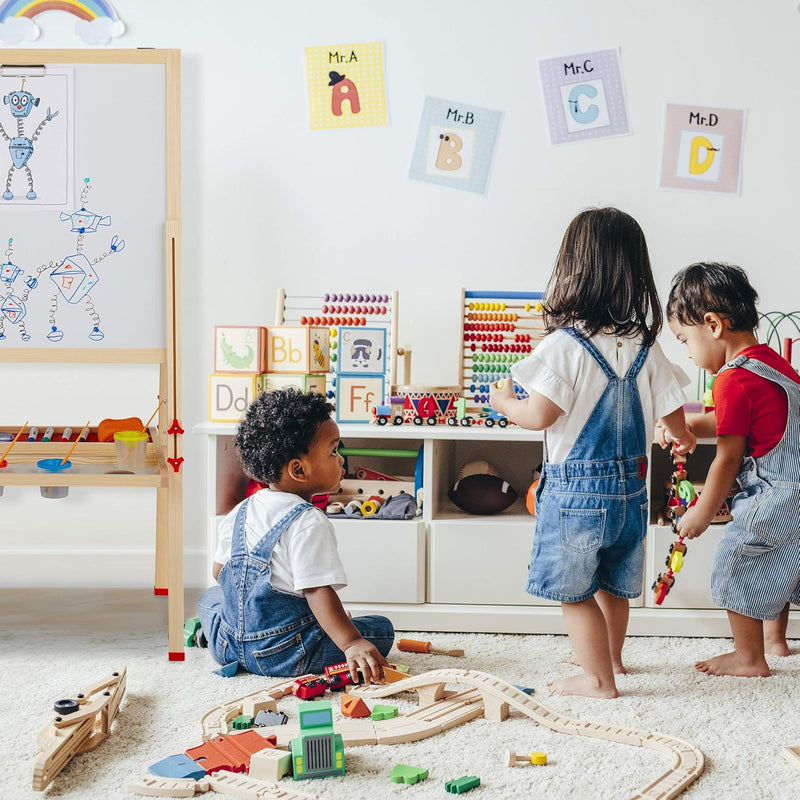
(692, 524)
(500, 394)
(683, 444)
(364, 656)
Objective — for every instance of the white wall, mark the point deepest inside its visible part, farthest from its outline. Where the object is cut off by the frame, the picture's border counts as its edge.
(269, 204)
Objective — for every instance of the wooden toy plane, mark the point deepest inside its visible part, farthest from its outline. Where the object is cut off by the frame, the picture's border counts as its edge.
(80, 725)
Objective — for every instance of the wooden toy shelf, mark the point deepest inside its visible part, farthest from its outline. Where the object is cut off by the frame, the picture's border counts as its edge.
(452, 571)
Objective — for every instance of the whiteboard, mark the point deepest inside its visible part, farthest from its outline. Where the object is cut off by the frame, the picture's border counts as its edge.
(91, 274)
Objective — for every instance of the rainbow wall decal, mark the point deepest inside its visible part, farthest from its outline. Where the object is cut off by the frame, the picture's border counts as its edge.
(16, 18)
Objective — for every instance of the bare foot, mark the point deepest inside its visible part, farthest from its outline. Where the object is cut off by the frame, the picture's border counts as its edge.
(619, 667)
(585, 686)
(777, 647)
(733, 664)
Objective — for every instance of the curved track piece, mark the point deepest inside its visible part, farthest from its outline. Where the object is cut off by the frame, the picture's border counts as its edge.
(688, 760)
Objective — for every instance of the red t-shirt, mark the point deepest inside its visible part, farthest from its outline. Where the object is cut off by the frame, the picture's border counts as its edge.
(749, 405)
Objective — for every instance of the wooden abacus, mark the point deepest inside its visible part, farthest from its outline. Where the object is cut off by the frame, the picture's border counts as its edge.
(497, 329)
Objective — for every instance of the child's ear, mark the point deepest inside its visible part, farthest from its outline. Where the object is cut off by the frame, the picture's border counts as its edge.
(715, 323)
(295, 468)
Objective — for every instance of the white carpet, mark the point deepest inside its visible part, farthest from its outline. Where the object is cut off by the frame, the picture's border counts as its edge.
(739, 724)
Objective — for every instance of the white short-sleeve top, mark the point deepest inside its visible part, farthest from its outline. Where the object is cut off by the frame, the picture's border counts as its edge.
(562, 370)
(304, 557)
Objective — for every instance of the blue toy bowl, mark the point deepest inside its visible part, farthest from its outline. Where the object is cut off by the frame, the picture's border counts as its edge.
(53, 464)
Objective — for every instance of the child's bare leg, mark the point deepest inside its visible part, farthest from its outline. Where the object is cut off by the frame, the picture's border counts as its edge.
(588, 635)
(775, 634)
(747, 659)
(616, 611)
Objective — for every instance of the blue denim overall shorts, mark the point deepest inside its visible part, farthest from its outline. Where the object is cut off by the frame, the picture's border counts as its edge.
(756, 568)
(591, 509)
(270, 632)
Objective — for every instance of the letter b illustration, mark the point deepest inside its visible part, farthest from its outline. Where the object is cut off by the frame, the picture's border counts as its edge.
(447, 157)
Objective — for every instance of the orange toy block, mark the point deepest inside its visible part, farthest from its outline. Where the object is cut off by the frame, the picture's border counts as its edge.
(354, 706)
(230, 751)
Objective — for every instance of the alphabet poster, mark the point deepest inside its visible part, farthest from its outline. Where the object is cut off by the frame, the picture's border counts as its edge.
(584, 96)
(36, 129)
(702, 148)
(345, 86)
(455, 145)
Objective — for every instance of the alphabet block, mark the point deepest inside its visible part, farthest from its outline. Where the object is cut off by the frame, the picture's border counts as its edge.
(305, 383)
(362, 351)
(356, 395)
(298, 349)
(240, 348)
(229, 395)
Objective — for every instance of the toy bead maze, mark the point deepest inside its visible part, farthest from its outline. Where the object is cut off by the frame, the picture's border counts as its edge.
(497, 330)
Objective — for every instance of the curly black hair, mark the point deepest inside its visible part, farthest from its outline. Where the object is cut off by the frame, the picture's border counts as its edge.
(277, 427)
(716, 287)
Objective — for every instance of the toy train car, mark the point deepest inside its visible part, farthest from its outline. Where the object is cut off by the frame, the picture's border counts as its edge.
(419, 405)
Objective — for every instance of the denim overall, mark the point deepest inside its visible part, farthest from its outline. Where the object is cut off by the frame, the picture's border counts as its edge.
(756, 567)
(270, 632)
(591, 509)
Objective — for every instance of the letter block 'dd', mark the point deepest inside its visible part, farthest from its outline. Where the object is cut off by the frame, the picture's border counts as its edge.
(296, 350)
(229, 395)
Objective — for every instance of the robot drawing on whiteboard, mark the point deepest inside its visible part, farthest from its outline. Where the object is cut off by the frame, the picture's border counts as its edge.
(20, 147)
(75, 277)
(13, 306)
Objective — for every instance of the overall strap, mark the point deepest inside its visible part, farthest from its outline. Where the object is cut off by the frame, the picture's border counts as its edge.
(238, 545)
(638, 362)
(593, 352)
(263, 549)
(763, 370)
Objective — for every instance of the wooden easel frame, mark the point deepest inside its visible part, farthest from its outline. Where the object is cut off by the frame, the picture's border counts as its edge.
(167, 442)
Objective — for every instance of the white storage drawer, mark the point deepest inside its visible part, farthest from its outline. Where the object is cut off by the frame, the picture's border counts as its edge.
(692, 587)
(384, 560)
(481, 561)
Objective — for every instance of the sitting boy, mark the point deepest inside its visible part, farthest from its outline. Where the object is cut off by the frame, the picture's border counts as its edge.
(276, 610)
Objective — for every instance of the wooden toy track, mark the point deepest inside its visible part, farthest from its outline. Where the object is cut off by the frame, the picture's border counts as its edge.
(438, 711)
(71, 734)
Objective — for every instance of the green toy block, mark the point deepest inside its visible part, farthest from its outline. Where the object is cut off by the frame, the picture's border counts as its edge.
(242, 722)
(463, 784)
(405, 774)
(383, 712)
(190, 628)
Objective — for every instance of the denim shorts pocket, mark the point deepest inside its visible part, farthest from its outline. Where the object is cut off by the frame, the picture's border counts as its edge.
(286, 658)
(582, 529)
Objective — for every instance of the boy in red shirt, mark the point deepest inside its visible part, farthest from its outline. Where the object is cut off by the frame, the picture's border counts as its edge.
(756, 419)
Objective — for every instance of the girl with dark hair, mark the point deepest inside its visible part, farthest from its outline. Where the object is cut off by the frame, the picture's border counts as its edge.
(596, 384)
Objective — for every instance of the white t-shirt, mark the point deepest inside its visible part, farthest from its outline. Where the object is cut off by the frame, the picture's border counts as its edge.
(561, 370)
(304, 557)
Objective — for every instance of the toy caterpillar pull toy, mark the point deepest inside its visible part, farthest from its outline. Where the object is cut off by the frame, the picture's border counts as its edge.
(682, 494)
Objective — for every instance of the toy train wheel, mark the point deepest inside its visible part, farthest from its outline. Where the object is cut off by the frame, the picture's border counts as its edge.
(488, 422)
(503, 423)
(398, 420)
(418, 420)
(431, 420)
(64, 707)
(466, 422)
(452, 421)
(381, 420)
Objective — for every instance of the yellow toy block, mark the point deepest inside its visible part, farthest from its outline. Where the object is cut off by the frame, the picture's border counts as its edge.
(298, 350)
(229, 395)
(305, 383)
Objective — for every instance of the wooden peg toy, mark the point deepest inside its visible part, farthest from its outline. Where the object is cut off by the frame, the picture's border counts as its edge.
(416, 646)
(512, 759)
